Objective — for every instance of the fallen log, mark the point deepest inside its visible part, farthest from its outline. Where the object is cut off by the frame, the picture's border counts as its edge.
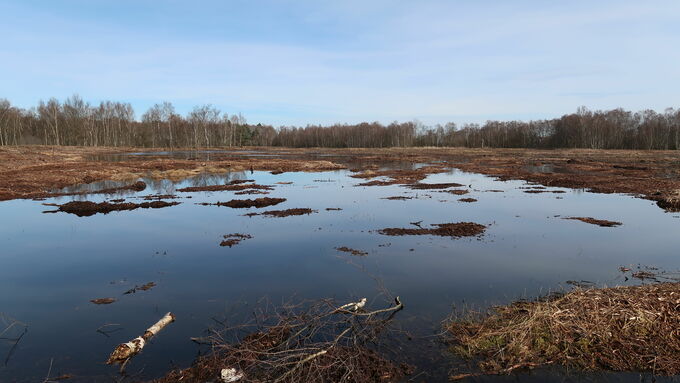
(125, 351)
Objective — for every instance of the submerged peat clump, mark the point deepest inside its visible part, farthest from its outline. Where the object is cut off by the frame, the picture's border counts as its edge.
(349, 250)
(228, 187)
(283, 213)
(246, 203)
(87, 208)
(454, 230)
(631, 328)
(234, 239)
(594, 221)
(424, 186)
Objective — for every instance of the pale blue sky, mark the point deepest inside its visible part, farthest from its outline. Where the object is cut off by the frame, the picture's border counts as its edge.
(316, 61)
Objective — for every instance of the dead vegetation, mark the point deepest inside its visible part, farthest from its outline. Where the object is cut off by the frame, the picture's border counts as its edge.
(310, 342)
(422, 186)
(455, 191)
(103, 301)
(234, 239)
(349, 250)
(454, 230)
(468, 200)
(228, 187)
(283, 213)
(632, 328)
(594, 221)
(398, 198)
(87, 208)
(145, 287)
(247, 203)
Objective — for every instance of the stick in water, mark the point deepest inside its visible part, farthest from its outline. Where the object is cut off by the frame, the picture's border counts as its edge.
(122, 354)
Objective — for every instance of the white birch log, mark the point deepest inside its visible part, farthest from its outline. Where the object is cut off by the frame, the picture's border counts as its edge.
(125, 351)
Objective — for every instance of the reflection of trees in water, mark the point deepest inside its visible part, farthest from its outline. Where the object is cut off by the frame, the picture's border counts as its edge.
(208, 179)
(165, 186)
(154, 186)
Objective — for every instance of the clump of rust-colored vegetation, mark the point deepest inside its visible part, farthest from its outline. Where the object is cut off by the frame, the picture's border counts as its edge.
(229, 187)
(630, 328)
(311, 342)
(423, 186)
(103, 301)
(87, 208)
(234, 239)
(246, 203)
(455, 230)
(284, 213)
(349, 250)
(594, 221)
(468, 200)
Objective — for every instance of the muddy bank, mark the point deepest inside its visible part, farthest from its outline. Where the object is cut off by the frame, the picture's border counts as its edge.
(454, 230)
(594, 221)
(621, 329)
(283, 213)
(87, 208)
(247, 203)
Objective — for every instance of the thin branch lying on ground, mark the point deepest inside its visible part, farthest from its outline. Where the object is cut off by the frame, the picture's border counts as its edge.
(311, 342)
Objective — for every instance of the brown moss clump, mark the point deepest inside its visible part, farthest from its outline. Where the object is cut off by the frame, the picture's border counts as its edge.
(288, 212)
(594, 221)
(455, 230)
(467, 200)
(103, 301)
(246, 203)
(349, 250)
(632, 328)
(87, 208)
(230, 187)
(234, 239)
(422, 186)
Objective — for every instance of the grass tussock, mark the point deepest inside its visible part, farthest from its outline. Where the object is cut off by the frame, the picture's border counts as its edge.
(635, 328)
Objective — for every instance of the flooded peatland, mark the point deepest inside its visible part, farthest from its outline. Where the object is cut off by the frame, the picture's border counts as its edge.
(205, 258)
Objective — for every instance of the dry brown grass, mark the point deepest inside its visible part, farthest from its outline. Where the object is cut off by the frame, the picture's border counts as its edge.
(635, 328)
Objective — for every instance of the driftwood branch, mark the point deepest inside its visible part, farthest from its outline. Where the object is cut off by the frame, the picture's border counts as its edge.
(122, 354)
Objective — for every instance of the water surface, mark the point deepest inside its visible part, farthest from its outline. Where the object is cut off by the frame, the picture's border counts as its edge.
(52, 265)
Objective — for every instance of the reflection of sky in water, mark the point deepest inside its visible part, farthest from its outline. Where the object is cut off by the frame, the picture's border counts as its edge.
(53, 264)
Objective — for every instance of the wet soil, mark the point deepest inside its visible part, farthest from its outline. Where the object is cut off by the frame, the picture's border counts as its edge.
(87, 208)
(594, 221)
(454, 230)
(398, 198)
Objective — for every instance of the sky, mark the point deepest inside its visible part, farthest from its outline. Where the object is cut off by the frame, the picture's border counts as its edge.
(346, 61)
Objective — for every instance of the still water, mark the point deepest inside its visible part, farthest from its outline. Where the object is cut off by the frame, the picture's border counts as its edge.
(52, 265)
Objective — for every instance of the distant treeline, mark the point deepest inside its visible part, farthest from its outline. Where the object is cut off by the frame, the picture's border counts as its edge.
(76, 122)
